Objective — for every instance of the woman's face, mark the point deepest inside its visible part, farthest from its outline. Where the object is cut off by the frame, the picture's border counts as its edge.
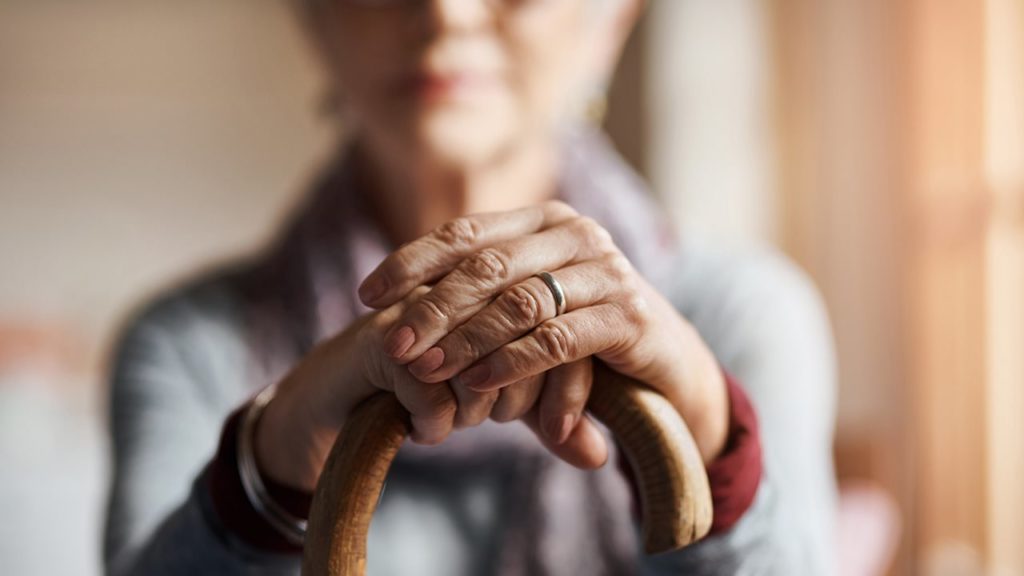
(459, 82)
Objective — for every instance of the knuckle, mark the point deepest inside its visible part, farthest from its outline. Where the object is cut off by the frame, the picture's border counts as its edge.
(464, 420)
(583, 225)
(570, 399)
(603, 241)
(620, 269)
(559, 209)
(482, 402)
(475, 409)
(507, 410)
(460, 232)
(520, 306)
(461, 344)
(503, 415)
(556, 340)
(635, 308)
(441, 404)
(406, 263)
(427, 402)
(374, 329)
(595, 235)
(488, 265)
(436, 310)
(419, 291)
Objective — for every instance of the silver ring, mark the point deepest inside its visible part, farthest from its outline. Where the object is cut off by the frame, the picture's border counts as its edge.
(556, 291)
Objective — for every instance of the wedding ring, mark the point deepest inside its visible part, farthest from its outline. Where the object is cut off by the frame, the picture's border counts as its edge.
(556, 291)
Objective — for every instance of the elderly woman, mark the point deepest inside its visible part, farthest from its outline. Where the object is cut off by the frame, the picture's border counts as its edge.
(418, 266)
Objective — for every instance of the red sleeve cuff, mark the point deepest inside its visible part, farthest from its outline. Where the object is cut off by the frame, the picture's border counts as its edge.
(232, 506)
(736, 474)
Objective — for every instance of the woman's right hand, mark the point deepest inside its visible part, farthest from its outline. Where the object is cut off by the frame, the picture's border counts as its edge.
(300, 425)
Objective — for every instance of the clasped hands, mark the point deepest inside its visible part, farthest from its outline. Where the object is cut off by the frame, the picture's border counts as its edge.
(466, 331)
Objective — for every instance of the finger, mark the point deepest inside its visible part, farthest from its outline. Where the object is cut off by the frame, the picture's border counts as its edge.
(382, 370)
(432, 409)
(518, 310)
(608, 327)
(431, 256)
(517, 399)
(473, 407)
(565, 393)
(585, 448)
(485, 274)
(385, 319)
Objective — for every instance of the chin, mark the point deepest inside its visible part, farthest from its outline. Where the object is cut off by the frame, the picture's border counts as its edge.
(462, 138)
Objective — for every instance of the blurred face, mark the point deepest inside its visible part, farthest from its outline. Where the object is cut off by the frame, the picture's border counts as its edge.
(459, 82)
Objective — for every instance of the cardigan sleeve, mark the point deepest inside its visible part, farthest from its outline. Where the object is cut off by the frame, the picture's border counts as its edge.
(767, 326)
(165, 421)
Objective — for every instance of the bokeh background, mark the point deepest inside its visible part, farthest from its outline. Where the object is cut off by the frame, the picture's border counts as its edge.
(878, 142)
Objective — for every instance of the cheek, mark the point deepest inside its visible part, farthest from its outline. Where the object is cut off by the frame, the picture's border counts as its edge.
(364, 56)
(547, 59)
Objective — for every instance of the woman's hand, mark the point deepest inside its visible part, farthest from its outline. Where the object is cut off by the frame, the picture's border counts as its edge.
(301, 424)
(488, 324)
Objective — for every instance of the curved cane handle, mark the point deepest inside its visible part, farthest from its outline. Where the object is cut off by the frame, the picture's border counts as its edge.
(675, 496)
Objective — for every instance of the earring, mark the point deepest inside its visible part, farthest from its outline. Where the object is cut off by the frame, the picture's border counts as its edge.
(595, 105)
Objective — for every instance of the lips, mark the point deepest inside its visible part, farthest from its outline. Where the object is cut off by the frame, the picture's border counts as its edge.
(458, 85)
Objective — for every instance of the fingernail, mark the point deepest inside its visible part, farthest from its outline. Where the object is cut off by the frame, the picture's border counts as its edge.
(372, 289)
(474, 377)
(568, 423)
(426, 364)
(400, 341)
(558, 428)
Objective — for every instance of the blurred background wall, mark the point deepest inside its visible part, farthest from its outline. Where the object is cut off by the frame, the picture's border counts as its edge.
(138, 140)
(879, 143)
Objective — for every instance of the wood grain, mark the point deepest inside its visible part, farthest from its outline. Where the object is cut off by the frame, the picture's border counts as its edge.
(675, 496)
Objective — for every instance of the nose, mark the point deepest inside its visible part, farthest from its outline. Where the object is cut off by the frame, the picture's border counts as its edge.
(459, 14)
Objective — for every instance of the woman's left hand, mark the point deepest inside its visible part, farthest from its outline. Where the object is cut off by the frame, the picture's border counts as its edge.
(489, 322)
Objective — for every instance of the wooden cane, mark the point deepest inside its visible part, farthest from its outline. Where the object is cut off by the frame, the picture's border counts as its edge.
(673, 485)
